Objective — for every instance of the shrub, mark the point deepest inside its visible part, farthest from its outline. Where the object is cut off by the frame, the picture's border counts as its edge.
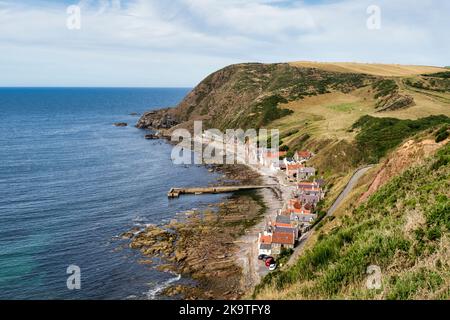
(443, 75)
(270, 111)
(442, 134)
(284, 148)
(379, 135)
(385, 88)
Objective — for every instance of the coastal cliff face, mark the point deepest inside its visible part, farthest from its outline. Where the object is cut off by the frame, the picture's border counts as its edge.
(252, 95)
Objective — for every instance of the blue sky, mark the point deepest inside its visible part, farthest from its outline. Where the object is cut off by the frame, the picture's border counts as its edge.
(148, 43)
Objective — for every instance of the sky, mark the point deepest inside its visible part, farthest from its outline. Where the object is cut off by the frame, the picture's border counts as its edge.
(177, 43)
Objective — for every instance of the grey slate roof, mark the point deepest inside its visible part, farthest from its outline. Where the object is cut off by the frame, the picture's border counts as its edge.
(307, 170)
(283, 219)
(284, 229)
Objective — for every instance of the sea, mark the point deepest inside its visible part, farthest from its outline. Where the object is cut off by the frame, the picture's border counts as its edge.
(71, 183)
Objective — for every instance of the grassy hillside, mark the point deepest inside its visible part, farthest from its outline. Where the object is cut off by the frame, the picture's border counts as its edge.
(403, 228)
(253, 95)
(321, 100)
(329, 123)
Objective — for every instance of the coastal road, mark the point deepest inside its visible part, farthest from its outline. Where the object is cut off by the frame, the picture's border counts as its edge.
(348, 188)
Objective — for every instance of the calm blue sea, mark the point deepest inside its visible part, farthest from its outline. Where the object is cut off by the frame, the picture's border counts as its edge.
(71, 182)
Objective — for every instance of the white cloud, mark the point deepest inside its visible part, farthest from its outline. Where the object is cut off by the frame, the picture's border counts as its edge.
(159, 43)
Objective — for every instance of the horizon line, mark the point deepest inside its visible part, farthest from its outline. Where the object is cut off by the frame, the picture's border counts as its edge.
(92, 87)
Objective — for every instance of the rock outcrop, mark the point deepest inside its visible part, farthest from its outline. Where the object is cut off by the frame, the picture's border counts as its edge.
(161, 119)
(394, 101)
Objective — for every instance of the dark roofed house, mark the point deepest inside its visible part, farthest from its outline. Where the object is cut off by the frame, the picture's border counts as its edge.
(321, 182)
(284, 229)
(265, 248)
(306, 173)
(312, 199)
(283, 219)
(306, 218)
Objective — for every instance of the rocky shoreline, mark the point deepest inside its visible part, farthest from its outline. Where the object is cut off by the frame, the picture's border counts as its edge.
(157, 120)
(201, 245)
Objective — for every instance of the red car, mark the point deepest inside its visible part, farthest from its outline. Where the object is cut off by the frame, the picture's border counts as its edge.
(269, 261)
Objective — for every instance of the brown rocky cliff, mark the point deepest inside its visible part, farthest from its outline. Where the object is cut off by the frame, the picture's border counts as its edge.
(411, 153)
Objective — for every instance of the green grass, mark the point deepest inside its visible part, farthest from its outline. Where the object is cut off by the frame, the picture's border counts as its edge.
(343, 107)
(335, 267)
(405, 287)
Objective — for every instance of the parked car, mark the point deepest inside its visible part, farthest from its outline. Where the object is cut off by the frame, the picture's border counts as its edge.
(269, 261)
(267, 258)
(273, 267)
(262, 257)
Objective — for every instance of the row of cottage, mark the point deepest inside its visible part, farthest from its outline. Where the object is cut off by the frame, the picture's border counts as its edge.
(298, 214)
(295, 167)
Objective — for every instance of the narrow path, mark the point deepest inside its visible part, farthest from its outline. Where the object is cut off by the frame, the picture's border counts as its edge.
(348, 188)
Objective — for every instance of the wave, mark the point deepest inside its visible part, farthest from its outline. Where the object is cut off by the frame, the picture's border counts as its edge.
(152, 293)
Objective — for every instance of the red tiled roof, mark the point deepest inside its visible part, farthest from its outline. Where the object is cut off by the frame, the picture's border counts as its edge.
(281, 225)
(266, 239)
(283, 238)
(271, 154)
(294, 166)
(295, 203)
(313, 186)
(304, 154)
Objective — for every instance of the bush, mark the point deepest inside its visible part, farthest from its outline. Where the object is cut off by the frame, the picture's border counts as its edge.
(443, 75)
(379, 135)
(270, 111)
(385, 88)
(442, 136)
